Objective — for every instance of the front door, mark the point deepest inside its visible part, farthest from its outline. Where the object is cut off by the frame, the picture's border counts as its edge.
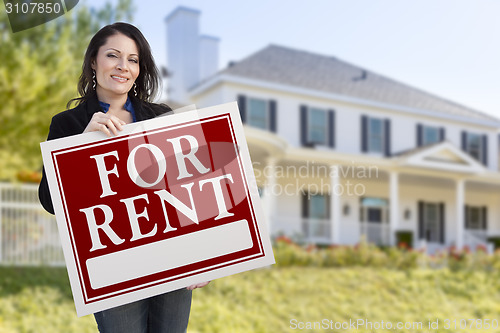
(374, 220)
(431, 222)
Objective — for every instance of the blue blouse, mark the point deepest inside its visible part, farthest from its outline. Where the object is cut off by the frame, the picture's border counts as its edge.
(128, 106)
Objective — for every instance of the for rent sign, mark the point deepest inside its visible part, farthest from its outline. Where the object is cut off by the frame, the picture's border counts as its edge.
(170, 202)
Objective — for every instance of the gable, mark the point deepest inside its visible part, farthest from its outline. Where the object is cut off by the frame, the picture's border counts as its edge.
(446, 156)
(442, 156)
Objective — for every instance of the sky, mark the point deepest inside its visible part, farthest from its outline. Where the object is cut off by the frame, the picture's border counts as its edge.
(450, 48)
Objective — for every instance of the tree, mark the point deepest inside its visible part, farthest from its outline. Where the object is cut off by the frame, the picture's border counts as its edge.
(39, 70)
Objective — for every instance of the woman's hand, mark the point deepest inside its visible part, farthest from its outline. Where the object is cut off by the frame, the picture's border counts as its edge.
(105, 123)
(198, 285)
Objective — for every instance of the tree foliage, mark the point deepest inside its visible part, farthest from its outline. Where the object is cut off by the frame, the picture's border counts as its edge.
(39, 70)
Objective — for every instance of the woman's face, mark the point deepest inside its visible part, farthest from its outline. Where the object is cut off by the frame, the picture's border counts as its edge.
(116, 67)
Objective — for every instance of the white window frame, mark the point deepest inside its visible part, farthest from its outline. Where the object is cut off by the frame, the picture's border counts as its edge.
(425, 130)
(480, 216)
(369, 135)
(437, 236)
(310, 110)
(249, 112)
(309, 208)
(468, 147)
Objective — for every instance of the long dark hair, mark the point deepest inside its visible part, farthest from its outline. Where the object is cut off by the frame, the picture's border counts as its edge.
(147, 82)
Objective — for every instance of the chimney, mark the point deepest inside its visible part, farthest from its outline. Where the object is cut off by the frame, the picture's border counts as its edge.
(209, 56)
(191, 57)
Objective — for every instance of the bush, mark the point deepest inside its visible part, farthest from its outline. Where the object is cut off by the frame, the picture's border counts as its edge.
(288, 253)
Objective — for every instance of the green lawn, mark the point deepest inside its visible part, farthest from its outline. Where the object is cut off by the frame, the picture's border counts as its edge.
(278, 300)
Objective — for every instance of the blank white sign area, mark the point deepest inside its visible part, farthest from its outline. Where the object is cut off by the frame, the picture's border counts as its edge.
(201, 245)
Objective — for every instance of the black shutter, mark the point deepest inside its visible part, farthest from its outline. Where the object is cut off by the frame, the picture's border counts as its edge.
(420, 130)
(421, 220)
(303, 125)
(328, 207)
(464, 141)
(331, 128)
(441, 222)
(305, 205)
(242, 105)
(484, 155)
(387, 137)
(364, 134)
(272, 116)
(466, 217)
(442, 134)
(484, 213)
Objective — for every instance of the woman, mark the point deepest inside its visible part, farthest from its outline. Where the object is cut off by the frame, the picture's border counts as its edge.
(118, 82)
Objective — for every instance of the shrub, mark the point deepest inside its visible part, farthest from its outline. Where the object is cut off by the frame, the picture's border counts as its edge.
(288, 253)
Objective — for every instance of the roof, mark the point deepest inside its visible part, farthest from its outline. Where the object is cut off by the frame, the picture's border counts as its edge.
(304, 69)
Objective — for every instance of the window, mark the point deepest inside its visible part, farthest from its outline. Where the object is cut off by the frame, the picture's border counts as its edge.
(257, 113)
(431, 222)
(475, 217)
(430, 135)
(318, 206)
(375, 135)
(316, 214)
(318, 126)
(474, 145)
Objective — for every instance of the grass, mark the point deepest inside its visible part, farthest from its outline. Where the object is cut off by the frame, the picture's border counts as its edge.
(276, 300)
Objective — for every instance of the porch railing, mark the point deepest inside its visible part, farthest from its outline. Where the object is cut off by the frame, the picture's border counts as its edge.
(477, 238)
(308, 229)
(28, 234)
(377, 233)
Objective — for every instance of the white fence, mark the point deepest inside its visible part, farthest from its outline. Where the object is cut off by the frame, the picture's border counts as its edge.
(28, 234)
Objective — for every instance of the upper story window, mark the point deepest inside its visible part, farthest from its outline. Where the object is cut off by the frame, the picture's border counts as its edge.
(258, 112)
(375, 135)
(473, 145)
(476, 145)
(427, 135)
(317, 126)
(431, 135)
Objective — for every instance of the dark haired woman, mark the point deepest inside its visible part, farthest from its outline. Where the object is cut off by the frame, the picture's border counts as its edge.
(118, 83)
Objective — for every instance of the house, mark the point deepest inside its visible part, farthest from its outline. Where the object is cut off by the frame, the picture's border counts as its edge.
(340, 152)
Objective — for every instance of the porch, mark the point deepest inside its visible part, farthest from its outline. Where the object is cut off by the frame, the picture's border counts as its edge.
(439, 195)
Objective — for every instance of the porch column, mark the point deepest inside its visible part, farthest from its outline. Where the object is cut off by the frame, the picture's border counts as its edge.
(335, 192)
(268, 195)
(459, 208)
(393, 206)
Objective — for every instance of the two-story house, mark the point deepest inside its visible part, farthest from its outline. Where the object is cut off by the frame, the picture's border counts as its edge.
(342, 153)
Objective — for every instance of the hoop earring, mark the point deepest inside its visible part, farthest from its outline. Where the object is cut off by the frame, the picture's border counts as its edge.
(135, 91)
(94, 82)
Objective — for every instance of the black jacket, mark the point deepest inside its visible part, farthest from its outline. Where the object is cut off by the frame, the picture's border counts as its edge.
(74, 121)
